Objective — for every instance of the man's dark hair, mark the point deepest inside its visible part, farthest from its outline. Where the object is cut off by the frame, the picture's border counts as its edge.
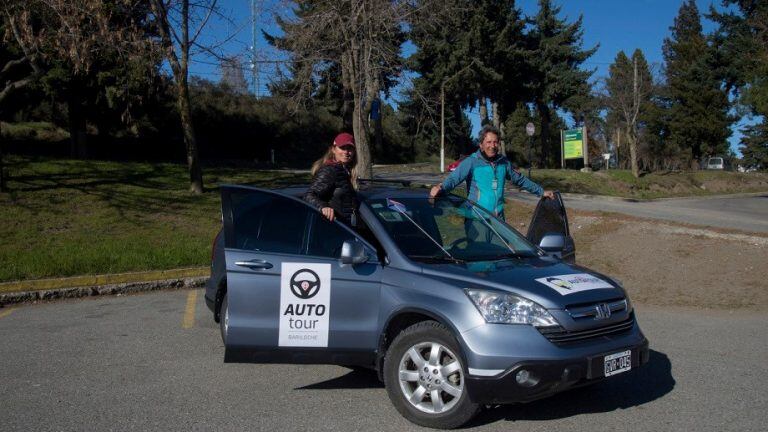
(489, 128)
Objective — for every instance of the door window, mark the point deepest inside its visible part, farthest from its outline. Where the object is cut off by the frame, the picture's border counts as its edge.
(326, 238)
(549, 217)
(267, 223)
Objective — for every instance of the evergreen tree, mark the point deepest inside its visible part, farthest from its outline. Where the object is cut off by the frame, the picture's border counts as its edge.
(698, 117)
(554, 55)
(754, 145)
(742, 46)
(518, 148)
(475, 53)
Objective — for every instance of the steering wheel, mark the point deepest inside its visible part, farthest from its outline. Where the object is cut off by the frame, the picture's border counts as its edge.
(457, 242)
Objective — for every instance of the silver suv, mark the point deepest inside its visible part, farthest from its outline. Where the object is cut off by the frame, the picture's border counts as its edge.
(451, 306)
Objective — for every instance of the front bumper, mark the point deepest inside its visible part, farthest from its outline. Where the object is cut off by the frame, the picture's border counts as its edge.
(553, 376)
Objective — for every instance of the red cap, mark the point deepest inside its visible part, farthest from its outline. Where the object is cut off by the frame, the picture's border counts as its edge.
(343, 139)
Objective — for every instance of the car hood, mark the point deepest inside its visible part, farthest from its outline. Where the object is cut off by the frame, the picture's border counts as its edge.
(551, 283)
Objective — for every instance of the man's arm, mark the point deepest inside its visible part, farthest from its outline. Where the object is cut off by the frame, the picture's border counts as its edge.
(454, 179)
(524, 182)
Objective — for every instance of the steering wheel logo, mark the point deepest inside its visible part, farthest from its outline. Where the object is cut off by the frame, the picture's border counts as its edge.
(305, 284)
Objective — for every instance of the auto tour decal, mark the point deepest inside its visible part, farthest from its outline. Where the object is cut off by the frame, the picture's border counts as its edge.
(305, 297)
(572, 283)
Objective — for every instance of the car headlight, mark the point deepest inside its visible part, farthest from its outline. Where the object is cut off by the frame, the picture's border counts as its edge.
(501, 308)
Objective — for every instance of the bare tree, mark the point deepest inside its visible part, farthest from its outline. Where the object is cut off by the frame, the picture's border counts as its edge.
(629, 88)
(17, 72)
(176, 44)
(362, 36)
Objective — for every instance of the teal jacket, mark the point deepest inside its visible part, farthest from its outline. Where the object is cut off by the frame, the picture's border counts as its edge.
(485, 181)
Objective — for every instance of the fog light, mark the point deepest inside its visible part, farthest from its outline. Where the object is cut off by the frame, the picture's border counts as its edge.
(526, 378)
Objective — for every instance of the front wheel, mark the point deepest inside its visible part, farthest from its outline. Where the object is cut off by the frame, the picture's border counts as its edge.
(425, 377)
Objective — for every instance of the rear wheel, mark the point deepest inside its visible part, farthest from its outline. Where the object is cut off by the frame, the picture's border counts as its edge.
(425, 377)
(224, 319)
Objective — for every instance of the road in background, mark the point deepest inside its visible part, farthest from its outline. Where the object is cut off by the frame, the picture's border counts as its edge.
(128, 363)
(746, 213)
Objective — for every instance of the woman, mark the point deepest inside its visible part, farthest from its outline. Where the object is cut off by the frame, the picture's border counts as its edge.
(334, 180)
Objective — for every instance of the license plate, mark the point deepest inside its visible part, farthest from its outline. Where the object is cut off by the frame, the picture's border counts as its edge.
(617, 363)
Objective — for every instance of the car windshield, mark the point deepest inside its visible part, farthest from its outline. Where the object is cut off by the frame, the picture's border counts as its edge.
(448, 229)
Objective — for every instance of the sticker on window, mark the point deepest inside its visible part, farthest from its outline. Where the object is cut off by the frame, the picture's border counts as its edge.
(396, 205)
(573, 283)
(305, 303)
(391, 216)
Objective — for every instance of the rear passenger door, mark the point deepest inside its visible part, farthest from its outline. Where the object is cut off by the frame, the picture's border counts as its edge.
(290, 300)
(550, 217)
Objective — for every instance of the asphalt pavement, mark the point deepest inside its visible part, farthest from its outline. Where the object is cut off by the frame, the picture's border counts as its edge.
(154, 362)
(740, 212)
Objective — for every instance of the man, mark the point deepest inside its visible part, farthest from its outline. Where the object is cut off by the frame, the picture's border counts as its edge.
(485, 172)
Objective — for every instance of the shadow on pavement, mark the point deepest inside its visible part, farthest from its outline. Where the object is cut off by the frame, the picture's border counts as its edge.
(646, 384)
(357, 378)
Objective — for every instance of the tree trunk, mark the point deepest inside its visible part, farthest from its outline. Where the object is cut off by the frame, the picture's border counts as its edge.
(483, 111)
(545, 145)
(632, 138)
(2, 165)
(361, 141)
(190, 139)
(495, 112)
(78, 137)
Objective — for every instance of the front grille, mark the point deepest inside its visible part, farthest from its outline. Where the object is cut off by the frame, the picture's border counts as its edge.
(559, 335)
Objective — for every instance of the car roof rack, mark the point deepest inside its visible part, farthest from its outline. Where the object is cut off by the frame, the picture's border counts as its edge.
(406, 183)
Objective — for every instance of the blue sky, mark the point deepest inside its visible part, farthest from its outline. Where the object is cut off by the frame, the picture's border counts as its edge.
(618, 25)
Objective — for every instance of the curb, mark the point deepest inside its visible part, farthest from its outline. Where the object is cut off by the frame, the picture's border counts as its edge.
(99, 290)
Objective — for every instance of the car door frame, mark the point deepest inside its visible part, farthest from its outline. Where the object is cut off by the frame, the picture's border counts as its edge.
(568, 253)
(265, 351)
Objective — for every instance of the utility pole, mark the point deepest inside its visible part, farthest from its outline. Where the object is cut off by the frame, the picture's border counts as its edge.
(254, 61)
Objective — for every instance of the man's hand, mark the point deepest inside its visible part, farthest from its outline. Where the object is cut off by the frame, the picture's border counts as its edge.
(328, 213)
(435, 191)
(548, 195)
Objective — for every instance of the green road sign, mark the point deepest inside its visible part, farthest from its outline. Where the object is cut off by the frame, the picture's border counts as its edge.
(573, 144)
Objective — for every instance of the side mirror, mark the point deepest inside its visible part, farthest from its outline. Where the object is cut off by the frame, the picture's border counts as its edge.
(353, 252)
(552, 242)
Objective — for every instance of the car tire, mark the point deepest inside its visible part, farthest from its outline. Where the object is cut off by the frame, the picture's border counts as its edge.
(224, 319)
(422, 380)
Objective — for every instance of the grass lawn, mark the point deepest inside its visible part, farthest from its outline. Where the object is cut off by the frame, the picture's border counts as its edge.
(621, 183)
(69, 217)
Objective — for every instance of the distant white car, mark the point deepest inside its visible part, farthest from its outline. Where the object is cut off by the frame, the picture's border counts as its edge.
(715, 163)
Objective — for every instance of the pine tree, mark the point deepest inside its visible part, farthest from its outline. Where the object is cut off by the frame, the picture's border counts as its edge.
(698, 118)
(742, 46)
(476, 53)
(554, 55)
(754, 145)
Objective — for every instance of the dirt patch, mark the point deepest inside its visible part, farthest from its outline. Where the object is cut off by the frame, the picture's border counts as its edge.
(668, 264)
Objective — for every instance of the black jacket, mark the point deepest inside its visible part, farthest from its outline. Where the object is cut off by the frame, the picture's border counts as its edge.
(332, 187)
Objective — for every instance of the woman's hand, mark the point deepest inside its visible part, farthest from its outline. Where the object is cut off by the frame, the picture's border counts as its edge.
(328, 213)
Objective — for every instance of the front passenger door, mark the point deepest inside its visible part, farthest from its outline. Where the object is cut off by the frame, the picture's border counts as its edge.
(550, 217)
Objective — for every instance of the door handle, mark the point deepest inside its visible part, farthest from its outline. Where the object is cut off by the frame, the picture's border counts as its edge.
(256, 264)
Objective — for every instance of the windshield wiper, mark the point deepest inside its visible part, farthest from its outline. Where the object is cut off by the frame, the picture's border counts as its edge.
(488, 224)
(400, 208)
(436, 258)
(512, 255)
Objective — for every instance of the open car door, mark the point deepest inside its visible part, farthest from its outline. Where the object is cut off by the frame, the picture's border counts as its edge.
(550, 218)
